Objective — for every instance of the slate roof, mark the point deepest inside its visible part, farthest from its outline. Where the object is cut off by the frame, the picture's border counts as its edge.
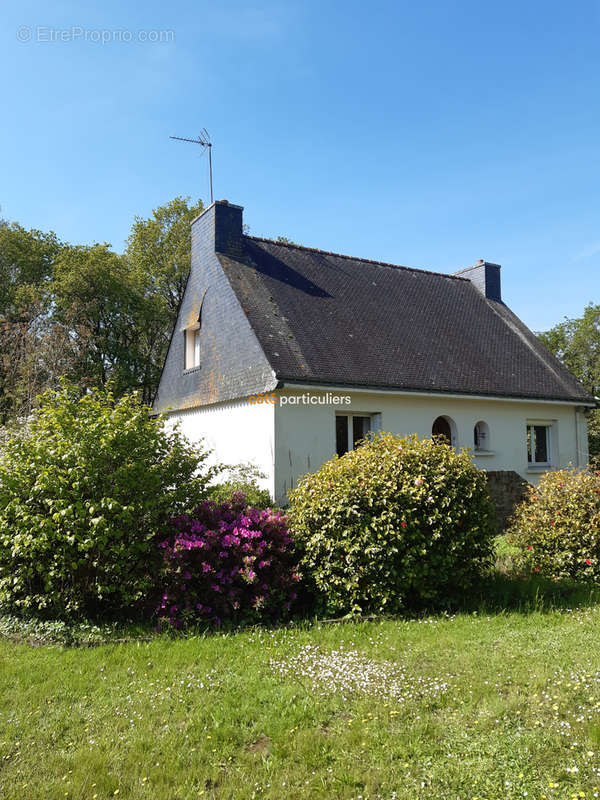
(331, 319)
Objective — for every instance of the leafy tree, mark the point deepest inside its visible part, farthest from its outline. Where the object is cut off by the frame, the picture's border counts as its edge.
(159, 254)
(26, 261)
(84, 491)
(576, 342)
(159, 248)
(96, 296)
(89, 313)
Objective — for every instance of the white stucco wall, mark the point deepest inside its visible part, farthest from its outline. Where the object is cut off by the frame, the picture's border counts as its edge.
(238, 432)
(305, 434)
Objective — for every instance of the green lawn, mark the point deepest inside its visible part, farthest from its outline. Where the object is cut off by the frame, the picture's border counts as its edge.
(498, 706)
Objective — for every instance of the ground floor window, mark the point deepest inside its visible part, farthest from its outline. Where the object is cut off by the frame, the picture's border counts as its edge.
(481, 436)
(349, 430)
(445, 428)
(538, 444)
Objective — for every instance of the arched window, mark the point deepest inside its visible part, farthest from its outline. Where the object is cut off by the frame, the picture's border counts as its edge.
(481, 436)
(445, 427)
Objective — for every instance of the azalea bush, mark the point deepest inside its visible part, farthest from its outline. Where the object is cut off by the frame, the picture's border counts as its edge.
(83, 493)
(557, 528)
(228, 562)
(395, 522)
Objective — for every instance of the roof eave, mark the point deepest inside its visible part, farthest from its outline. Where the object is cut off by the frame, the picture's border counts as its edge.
(284, 382)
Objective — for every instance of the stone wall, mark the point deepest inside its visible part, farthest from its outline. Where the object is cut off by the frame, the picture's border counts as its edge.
(507, 489)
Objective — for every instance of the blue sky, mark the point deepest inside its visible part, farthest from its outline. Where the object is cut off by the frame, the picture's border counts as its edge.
(428, 134)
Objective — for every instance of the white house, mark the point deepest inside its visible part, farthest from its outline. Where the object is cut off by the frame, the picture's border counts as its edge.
(284, 355)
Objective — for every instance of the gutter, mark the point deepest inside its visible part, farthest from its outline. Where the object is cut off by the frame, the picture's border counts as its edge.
(283, 384)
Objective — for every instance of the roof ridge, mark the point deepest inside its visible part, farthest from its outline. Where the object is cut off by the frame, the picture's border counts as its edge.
(355, 258)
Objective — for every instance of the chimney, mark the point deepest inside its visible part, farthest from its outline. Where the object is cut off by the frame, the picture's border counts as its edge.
(485, 276)
(220, 228)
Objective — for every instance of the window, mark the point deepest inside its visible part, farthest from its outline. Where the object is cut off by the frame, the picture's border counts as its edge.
(445, 427)
(197, 347)
(192, 347)
(481, 436)
(349, 430)
(538, 444)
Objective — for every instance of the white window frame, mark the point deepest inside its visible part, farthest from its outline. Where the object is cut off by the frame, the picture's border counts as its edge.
(197, 347)
(481, 437)
(374, 425)
(531, 425)
(192, 345)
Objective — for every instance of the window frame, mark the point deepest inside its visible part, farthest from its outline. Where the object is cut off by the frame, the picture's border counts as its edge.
(530, 443)
(191, 348)
(451, 425)
(374, 425)
(479, 434)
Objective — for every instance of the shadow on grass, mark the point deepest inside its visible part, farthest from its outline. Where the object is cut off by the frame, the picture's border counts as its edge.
(500, 591)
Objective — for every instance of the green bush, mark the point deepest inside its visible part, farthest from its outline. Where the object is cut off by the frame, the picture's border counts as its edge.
(557, 527)
(241, 479)
(82, 497)
(396, 522)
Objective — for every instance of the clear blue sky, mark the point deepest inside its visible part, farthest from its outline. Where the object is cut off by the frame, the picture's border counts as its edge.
(428, 134)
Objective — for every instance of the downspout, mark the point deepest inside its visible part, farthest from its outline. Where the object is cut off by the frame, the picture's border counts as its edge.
(577, 436)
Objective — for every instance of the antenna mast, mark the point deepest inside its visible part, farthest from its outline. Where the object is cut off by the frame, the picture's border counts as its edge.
(204, 141)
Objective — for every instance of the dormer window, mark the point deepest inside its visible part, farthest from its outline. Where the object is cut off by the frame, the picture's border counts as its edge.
(192, 347)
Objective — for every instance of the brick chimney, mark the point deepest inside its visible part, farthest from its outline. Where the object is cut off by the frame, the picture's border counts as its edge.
(485, 276)
(219, 228)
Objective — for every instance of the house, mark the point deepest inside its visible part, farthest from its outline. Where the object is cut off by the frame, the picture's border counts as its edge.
(284, 355)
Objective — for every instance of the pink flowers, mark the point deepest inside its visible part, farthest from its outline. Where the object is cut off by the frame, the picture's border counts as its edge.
(228, 562)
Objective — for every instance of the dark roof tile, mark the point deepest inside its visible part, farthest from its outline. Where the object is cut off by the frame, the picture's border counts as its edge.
(328, 318)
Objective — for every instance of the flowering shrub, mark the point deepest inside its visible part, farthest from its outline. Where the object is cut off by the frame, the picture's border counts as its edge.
(557, 527)
(394, 522)
(83, 491)
(228, 562)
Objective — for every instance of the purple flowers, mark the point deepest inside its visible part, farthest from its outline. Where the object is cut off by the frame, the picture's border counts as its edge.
(228, 561)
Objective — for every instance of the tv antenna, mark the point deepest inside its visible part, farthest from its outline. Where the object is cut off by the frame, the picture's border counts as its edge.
(204, 141)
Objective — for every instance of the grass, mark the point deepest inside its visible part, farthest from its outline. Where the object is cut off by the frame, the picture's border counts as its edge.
(477, 705)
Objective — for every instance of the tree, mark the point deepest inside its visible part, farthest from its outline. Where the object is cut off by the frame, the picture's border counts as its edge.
(159, 254)
(160, 249)
(97, 297)
(26, 262)
(576, 342)
(88, 313)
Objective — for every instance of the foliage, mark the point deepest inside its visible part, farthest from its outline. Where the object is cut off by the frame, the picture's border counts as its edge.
(82, 496)
(159, 256)
(241, 479)
(96, 296)
(27, 346)
(557, 528)
(26, 259)
(160, 249)
(228, 562)
(576, 342)
(394, 522)
(88, 313)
